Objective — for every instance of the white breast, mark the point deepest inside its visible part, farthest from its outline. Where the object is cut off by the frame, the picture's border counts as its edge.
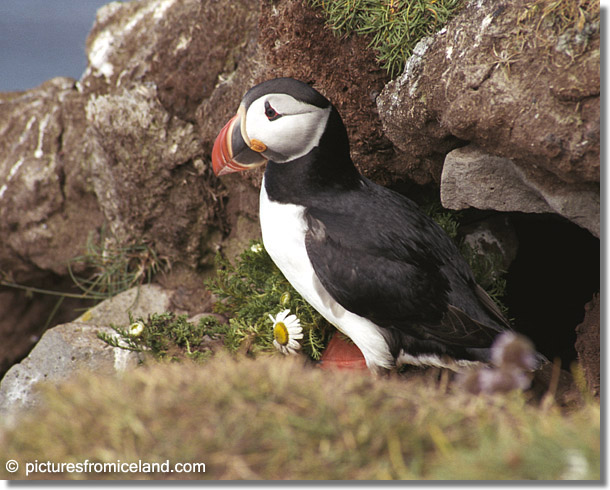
(284, 227)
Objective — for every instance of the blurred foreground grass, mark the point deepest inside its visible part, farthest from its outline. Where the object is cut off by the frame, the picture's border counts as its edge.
(276, 418)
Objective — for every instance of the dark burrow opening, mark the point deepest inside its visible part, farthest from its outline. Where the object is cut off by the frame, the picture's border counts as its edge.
(555, 273)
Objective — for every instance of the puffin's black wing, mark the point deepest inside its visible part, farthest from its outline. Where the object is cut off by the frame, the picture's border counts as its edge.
(381, 258)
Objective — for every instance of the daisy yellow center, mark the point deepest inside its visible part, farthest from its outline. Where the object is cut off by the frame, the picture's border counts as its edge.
(280, 333)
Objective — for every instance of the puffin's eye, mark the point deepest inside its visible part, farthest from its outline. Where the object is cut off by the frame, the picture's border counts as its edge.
(270, 112)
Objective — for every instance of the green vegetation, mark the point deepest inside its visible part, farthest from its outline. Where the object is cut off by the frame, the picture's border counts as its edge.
(488, 270)
(116, 267)
(276, 418)
(394, 26)
(253, 289)
(248, 293)
(168, 337)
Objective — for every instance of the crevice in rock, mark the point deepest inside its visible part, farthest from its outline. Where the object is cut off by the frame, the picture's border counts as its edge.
(27, 315)
(556, 272)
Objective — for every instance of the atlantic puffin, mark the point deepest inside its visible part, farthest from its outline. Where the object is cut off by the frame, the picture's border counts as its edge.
(365, 257)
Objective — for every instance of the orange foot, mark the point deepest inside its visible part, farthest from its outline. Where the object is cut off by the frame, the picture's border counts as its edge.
(342, 353)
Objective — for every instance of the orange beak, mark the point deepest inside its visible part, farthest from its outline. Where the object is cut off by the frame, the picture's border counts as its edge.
(231, 152)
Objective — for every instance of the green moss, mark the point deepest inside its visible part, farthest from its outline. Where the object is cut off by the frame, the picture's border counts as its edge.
(488, 270)
(394, 26)
(447, 219)
(275, 418)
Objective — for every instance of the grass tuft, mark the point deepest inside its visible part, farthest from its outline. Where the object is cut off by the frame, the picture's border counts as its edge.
(557, 32)
(394, 26)
(275, 418)
(116, 267)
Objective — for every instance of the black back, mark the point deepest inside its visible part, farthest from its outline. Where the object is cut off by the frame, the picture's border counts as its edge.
(376, 253)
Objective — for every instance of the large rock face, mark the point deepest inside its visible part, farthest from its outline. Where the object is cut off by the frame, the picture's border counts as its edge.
(46, 204)
(151, 64)
(519, 82)
(122, 151)
(47, 208)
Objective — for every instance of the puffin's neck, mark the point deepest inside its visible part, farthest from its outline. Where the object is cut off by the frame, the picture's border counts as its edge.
(326, 169)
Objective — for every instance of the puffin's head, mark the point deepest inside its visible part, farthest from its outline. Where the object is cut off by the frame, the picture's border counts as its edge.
(279, 120)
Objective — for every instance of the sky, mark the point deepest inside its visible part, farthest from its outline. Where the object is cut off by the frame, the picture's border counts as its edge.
(42, 39)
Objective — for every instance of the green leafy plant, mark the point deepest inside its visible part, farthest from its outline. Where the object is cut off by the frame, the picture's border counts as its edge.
(253, 289)
(395, 26)
(167, 336)
(248, 293)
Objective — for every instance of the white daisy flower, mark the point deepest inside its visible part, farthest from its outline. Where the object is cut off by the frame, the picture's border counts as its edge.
(135, 329)
(287, 331)
(256, 248)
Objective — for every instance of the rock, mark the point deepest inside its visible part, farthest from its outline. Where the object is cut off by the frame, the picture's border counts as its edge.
(492, 235)
(144, 175)
(61, 352)
(493, 77)
(588, 345)
(47, 210)
(139, 302)
(46, 207)
(24, 317)
(151, 65)
(126, 145)
(473, 178)
(73, 347)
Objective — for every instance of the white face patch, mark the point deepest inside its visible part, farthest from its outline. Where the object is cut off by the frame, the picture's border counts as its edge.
(290, 136)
